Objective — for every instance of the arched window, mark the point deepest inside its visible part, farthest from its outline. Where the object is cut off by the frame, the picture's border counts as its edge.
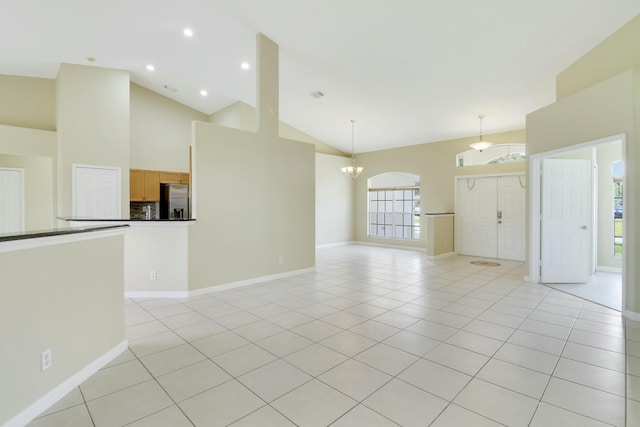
(502, 153)
(394, 206)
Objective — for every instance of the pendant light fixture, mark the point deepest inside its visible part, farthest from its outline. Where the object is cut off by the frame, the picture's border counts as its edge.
(352, 171)
(481, 145)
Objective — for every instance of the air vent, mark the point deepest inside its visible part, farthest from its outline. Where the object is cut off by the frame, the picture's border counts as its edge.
(317, 94)
(169, 88)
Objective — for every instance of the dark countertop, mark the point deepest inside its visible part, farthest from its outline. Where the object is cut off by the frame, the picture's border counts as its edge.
(7, 237)
(124, 220)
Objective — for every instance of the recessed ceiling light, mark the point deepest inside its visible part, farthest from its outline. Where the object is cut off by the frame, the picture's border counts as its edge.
(245, 65)
(188, 32)
(150, 67)
(203, 92)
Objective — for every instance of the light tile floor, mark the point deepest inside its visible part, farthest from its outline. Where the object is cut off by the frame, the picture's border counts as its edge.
(373, 337)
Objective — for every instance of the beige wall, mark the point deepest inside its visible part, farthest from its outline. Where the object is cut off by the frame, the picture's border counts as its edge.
(243, 116)
(38, 189)
(435, 163)
(92, 113)
(35, 151)
(618, 53)
(254, 201)
(55, 307)
(28, 102)
(160, 131)
(334, 201)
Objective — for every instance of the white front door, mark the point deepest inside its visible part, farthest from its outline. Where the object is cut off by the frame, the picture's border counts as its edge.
(476, 217)
(511, 217)
(566, 202)
(97, 192)
(11, 200)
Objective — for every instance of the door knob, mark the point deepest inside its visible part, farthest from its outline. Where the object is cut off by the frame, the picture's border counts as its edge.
(584, 227)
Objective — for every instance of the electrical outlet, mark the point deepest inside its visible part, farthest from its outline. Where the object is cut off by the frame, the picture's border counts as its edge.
(45, 359)
(153, 275)
(280, 260)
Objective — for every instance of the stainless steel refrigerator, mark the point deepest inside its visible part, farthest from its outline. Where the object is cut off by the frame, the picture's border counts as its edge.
(174, 201)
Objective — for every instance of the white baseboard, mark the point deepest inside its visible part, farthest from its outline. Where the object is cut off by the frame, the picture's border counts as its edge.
(445, 255)
(609, 269)
(631, 315)
(331, 245)
(42, 404)
(157, 294)
(248, 282)
(384, 245)
(218, 288)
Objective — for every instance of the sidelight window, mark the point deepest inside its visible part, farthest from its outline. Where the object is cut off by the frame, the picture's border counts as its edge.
(617, 208)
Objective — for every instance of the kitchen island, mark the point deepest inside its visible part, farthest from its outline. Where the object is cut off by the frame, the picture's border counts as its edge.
(61, 295)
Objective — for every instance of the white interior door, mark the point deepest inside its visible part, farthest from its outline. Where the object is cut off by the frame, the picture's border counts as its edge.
(11, 200)
(476, 217)
(511, 217)
(566, 202)
(97, 192)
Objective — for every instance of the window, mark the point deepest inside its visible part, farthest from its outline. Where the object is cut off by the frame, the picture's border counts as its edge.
(617, 207)
(394, 210)
(502, 153)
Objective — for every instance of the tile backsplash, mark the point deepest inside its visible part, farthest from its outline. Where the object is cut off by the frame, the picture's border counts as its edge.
(136, 210)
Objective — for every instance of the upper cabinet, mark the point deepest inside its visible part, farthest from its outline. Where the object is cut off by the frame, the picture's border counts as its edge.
(174, 177)
(144, 185)
(169, 177)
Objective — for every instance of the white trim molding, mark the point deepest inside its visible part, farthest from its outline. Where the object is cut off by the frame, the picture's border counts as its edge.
(631, 315)
(42, 404)
(216, 288)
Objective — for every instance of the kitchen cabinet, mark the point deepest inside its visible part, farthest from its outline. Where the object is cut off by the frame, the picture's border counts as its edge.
(185, 178)
(170, 177)
(144, 185)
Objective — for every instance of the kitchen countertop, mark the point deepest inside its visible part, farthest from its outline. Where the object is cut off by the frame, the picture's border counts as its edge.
(23, 235)
(124, 220)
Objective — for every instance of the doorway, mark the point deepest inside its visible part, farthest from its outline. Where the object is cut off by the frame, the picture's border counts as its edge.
(490, 216)
(96, 192)
(588, 252)
(11, 200)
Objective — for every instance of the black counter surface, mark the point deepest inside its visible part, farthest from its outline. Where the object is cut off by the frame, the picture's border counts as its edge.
(124, 220)
(7, 237)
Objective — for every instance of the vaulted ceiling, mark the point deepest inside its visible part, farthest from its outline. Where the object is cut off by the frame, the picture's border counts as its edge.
(408, 71)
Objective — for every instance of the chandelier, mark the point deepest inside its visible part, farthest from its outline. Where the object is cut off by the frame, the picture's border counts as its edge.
(352, 171)
(481, 145)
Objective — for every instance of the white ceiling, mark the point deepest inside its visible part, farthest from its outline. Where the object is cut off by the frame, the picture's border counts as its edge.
(407, 71)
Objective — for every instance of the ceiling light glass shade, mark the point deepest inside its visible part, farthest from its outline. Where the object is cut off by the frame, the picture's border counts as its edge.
(481, 145)
(352, 171)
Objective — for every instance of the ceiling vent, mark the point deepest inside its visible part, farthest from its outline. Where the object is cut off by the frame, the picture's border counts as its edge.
(170, 89)
(317, 94)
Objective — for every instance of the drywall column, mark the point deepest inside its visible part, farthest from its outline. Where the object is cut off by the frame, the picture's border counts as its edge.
(267, 86)
(92, 115)
(603, 110)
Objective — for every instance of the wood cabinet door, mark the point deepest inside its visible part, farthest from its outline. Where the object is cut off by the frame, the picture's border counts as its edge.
(185, 178)
(152, 186)
(169, 177)
(136, 185)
